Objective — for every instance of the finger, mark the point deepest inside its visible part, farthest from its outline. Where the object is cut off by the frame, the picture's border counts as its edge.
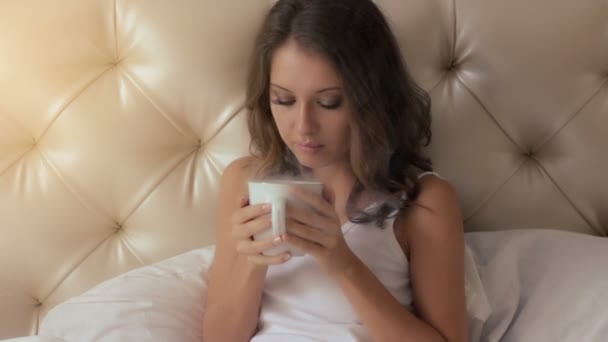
(314, 200)
(250, 228)
(308, 233)
(255, 247)
(306, 246)
(265, 260)
(250, 212)
(309, 217)
(243, 201)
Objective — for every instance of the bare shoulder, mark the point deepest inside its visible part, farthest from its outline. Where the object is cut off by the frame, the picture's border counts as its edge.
(435, 215)
(240, 169)
(233, 184)
(436, 195)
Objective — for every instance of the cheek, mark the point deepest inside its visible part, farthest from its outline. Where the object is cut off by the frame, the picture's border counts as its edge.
(346, 138)
(341, 133)
(280, 120)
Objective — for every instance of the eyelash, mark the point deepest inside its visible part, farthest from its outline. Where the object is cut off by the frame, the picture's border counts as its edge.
(289, 103)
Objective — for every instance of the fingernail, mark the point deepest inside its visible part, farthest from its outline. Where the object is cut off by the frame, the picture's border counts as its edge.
(287, 257)
(276, 240)
(266, 207)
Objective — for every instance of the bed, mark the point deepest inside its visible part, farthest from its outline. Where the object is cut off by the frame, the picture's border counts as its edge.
(117, 118)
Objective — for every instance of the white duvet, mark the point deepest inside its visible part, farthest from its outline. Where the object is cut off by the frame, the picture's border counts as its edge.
(522, 285)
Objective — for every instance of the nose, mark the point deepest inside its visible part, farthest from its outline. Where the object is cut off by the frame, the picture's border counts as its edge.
(306, 122)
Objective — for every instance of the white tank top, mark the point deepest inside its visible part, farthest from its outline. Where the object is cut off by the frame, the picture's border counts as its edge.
(302, 303)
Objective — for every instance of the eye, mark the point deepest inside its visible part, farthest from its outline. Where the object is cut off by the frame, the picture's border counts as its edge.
(330, 104)
(283, 102)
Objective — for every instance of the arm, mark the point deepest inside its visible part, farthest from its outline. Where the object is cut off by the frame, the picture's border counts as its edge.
(235, 284)
(433, 230)
(436, 239)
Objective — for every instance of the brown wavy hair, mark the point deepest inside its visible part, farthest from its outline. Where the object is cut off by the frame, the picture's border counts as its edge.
(391, 123)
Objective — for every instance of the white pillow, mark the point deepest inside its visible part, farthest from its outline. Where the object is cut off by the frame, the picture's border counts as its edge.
(543, 285)
(160, 302)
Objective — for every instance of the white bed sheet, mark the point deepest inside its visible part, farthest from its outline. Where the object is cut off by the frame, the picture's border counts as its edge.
(531, 285)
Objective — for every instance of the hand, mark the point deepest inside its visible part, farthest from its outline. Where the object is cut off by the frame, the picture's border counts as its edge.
(318, 232)
(249, 220)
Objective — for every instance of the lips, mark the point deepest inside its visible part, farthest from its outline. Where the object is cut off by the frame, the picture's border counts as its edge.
(309, 146)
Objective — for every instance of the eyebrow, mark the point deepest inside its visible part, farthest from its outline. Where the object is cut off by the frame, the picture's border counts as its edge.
(317, 92)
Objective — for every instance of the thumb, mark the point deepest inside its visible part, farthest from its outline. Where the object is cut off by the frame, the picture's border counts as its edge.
(243, 200)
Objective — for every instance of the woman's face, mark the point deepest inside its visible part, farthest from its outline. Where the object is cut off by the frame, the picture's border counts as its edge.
(310, 106)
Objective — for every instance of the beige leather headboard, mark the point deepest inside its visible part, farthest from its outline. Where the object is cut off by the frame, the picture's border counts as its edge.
(117, 118)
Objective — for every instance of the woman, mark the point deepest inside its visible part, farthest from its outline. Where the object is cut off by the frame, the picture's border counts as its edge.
(330, 98)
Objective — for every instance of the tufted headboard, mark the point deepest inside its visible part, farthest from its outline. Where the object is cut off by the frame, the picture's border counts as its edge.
(117, 118)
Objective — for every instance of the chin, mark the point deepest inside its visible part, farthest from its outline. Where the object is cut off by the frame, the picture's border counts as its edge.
(308, 161)
(313, 162)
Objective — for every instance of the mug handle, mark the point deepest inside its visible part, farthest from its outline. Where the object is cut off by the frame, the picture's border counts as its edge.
(278, 216)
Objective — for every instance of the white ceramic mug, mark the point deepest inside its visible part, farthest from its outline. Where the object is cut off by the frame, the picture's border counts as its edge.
(276, 193)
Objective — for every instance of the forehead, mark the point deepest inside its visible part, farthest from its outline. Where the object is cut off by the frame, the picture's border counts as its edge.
(298, 68)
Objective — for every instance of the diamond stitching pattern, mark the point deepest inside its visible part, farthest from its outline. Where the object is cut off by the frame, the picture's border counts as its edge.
(170, 202)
